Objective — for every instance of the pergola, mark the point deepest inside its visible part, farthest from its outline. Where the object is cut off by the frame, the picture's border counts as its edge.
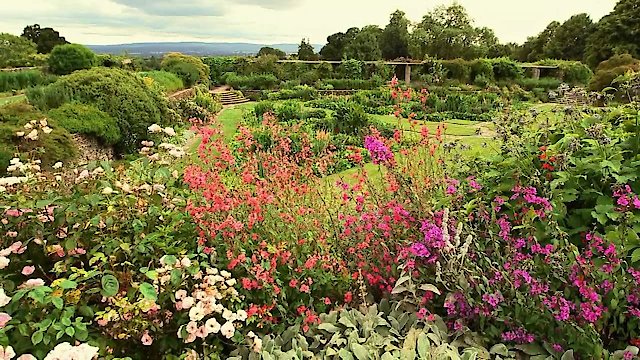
(536, 69)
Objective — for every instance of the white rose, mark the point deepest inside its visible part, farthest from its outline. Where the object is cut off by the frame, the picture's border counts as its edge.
(187, 302)
(169, 131)
(107, 191)
(227, 330)
(4, 262)
(212, 326)
(4, 299)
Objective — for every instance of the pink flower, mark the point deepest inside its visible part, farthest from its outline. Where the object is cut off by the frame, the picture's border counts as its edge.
(4, 319)
(146, 338)
(27, 357)
(305, 288)
(32, 283)
(28, 270)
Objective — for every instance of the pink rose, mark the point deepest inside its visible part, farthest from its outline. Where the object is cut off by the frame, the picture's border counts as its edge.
(4, 319)
(28, 270)
(146, 339)
(32, 283)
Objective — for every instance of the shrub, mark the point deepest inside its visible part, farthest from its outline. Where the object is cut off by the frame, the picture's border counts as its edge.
(169, 82)
(458, 69)
(189, 68)
(542, 83)
(18, 80)
(301, 92)
(264, 107)
(349, 118)
(220, 65)
(349, 84)
(86, 119)
(119, 93)
(289, 110)
(351, 69)
(506, 69)
(610, 69)
(49, 148)
(481, 67)
(251, 82)
(571, 72)
(67, 58)
(16, 51)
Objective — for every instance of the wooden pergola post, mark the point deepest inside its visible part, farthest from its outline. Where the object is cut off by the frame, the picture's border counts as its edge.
(407, 74)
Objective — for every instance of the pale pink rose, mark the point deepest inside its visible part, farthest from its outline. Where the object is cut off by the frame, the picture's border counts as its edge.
(181, 294)
(28, 270)
(27, 357)
(192, 327)
(12, 234)
(103, 322)
(146, 339)
(13, 212)
(4, 319)
(32, 283)
(15, 247)
(202, 332)
(81, 251)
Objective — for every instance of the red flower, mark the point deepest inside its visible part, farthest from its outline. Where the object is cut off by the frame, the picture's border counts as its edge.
(348, 297)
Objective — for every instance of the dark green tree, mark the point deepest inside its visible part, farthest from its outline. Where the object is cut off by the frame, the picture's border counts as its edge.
(266, 50)
(394, 41)
(336, 43)
(44, 38)
(534, 48)
(570, 39)
(306, 51)
(616, 33)
(366, 45)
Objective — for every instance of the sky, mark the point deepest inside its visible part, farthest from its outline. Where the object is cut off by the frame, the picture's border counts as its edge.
(98, 22)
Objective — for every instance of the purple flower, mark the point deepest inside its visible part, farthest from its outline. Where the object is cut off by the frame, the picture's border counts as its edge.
(380, 153)
(418, 249)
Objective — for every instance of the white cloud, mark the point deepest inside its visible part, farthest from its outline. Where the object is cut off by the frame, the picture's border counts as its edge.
(267, 21)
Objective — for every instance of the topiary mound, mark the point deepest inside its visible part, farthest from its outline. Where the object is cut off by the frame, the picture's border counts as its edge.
(610, 69)
(86, 119)
(67, 58)
(50, 148)
(121, 94)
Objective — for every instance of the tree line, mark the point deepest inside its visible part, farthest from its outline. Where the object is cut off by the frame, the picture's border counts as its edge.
(448, 32)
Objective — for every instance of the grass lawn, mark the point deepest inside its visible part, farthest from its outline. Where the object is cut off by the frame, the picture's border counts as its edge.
(231, 117)
(11, 99)
(453, 127)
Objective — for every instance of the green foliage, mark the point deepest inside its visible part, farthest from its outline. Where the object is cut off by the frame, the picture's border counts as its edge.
(266, 50)
(67, 58)
(219, 66)
(457, 69)
(482, 67)
(264, 107)
(18, 80)
(301, 92)
(385, 331)
(506, 69)
(569, 40)
(118, 93)
(44, 38)
(610, 69)
(87, 120)
(365, 45)
(289, 110)
(348, 84)
(169, 82)
(351, 69)
(306, 51)
(395, 37)
(337, 43)
(49, 148)
(571, 72)
(542, 83)
(251, 82)
(189, 68)
(349, 118)
(16, 51)
(615, 34)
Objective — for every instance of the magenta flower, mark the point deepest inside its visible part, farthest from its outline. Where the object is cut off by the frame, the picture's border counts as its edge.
(379, 152)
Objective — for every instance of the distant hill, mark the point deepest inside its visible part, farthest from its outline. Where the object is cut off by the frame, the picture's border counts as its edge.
(192, 48)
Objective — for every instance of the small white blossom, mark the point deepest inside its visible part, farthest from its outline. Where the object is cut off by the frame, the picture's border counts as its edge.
(107, 191)
(57, 165)
(169, 131)
(155, 128)
(227, 330)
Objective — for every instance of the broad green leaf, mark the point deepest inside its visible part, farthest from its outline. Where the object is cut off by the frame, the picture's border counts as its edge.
(110, 285)
(148, 291)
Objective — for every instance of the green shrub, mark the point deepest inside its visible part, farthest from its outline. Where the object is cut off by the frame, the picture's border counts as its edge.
(610, 69)
(119, 93)
(169, 82)
(16, 51)
(18, 80)
(542, 83)
(349, 118)
(301, 92)
(506, 69)
(218, 66)
(482, 67)
(204, 98)
(67, 58)
(87, 120)
(458, 69)
(289, 110)
(349, 84)
(264, 107)
(189, 68)
(481, 81)
(49, 148)
(314, 114)
(251, 82)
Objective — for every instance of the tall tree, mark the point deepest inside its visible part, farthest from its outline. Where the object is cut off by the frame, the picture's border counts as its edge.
(448, 33)
(336, 43)
(534, 48)
(366, 45)
(44, 38)
(306, 51)
(616, 33)
(394, 41)
(570, 39)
